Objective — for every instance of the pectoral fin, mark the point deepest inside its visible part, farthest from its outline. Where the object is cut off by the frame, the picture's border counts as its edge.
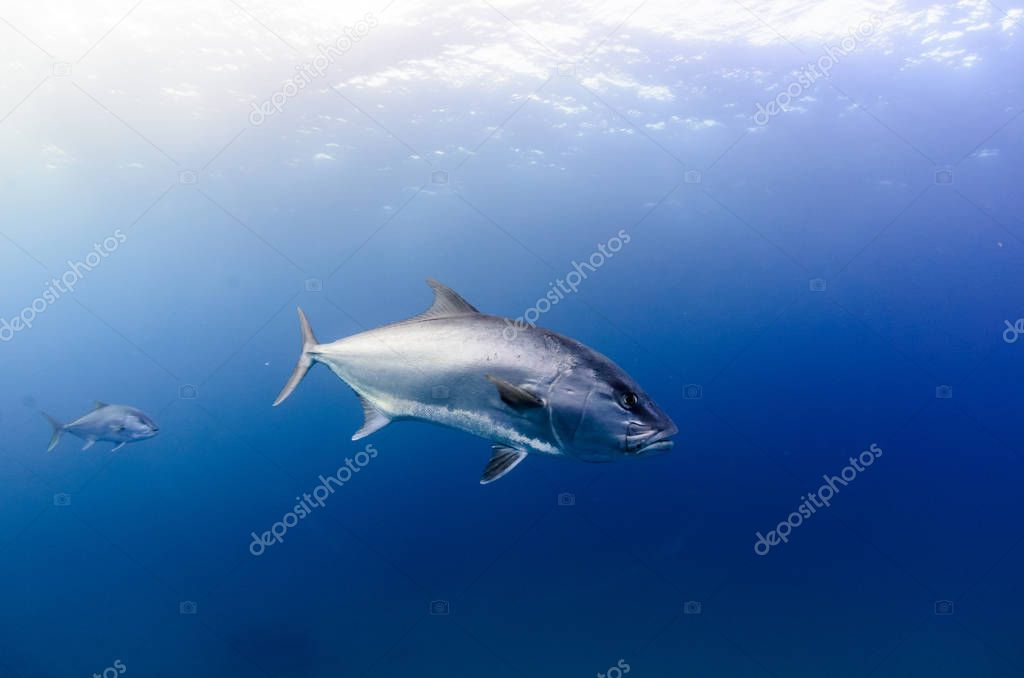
(503, 459)
(514, 396)
(118, 447)
(374, 419)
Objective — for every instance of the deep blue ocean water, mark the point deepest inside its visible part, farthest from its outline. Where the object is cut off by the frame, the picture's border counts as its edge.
(843, 273)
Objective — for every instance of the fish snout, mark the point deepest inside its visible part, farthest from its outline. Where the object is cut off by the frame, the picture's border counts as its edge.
(640, 439)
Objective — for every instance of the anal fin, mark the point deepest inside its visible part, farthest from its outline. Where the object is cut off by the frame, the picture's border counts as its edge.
(373, 419)
(118, 447)
(503, 459)
(89, 443)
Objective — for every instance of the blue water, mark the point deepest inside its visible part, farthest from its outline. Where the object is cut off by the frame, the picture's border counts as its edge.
(792, 293)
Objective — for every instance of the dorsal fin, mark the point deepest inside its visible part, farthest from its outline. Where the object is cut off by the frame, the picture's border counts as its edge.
(447, 302)
(374, 419)
(99, 404)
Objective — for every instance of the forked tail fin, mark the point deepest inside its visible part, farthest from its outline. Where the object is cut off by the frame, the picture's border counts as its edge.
(305, 359)
(58, 428)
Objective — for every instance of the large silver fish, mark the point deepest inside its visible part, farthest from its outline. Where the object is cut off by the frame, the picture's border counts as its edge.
(527, 391)
(113, 423)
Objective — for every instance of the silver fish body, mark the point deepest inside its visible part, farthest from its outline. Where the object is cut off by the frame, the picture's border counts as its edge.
(119, 424)
(529, 390)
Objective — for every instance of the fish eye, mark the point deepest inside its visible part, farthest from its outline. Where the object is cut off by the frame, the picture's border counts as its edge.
(629, 400)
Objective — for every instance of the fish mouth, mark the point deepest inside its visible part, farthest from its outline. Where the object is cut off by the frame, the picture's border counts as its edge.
(653, 441)
(656, 446)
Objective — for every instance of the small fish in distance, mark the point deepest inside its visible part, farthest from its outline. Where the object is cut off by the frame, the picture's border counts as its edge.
(112, 423)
